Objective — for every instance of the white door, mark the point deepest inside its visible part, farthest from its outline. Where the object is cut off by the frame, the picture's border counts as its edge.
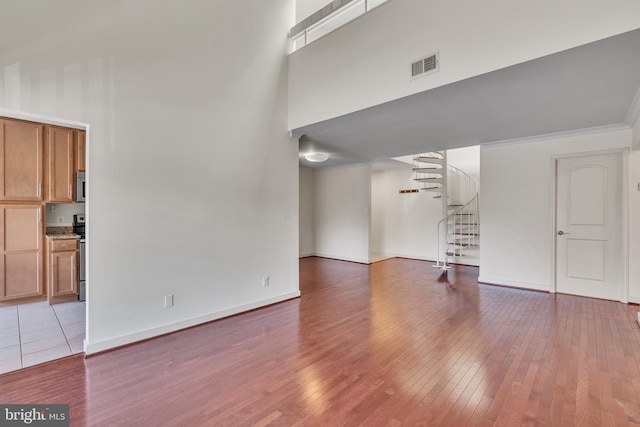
(588, 226)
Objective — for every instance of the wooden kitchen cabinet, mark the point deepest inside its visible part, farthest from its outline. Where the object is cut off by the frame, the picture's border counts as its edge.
(21, 160)
(62, 270)
(21, 240)
(81, 149)
(60, 164)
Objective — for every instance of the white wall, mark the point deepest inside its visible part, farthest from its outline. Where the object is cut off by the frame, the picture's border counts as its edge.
(366, 62)
(466, 159)
(403, 224)
(342, 200)
(516, 207)
(192, 178)
(61, 214)
(307, 246)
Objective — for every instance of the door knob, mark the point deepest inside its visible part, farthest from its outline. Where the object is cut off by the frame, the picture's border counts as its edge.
(560, 233)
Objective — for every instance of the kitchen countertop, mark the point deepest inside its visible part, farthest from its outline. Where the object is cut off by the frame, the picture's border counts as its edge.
(63, 236)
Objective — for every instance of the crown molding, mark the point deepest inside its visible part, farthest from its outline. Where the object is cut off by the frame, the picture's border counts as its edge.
(558, 135)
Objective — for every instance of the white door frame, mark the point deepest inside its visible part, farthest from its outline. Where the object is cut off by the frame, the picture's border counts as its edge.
(22, 115)
(624, 216)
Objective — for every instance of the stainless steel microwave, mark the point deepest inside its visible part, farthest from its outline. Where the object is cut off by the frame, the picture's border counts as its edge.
(81, 187)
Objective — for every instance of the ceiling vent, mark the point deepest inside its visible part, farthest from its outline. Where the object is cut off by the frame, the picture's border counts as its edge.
(428, 64)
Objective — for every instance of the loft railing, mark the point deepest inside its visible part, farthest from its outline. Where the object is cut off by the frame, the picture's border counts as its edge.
(329, 18)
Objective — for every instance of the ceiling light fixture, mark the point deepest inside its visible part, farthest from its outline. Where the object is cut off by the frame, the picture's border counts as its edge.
(316, 157)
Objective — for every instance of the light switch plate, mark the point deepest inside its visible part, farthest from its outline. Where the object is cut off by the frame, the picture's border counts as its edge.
(168, 301)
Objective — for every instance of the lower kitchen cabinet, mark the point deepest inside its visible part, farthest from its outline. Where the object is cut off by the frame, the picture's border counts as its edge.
(21, 232)
(62, 270)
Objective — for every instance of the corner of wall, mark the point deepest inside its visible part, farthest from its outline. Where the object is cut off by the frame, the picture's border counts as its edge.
(633, 120)
(635, 135)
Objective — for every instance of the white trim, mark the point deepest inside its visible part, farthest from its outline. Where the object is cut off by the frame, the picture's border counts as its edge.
(554, 225)
(558, 135)
(408, 256)
(344, 258)
(95, 347)
(634, 110)
(514, 284)
(22, 115)
(306, 254)
(634, 299)
(624, 297)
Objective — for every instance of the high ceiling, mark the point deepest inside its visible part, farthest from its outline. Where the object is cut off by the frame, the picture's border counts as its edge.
(589, 86)
(20, 25)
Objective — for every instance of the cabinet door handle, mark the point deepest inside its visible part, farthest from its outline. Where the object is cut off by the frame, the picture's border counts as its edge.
(70, 190)
(39, 190)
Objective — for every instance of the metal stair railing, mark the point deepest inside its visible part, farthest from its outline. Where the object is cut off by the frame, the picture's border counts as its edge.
(462, 221)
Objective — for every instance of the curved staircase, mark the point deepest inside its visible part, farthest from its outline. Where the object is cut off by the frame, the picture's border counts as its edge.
(459, 228)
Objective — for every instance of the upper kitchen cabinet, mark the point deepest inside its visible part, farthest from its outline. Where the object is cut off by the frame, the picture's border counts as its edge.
(21, 151)
(59, 165)
(81, 147)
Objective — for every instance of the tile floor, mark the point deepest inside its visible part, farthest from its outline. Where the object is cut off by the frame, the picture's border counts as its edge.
(37, 332)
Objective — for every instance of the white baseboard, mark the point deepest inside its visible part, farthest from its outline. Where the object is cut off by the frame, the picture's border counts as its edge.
(307, 254)
(344, 258)
(514, 284)
(98, 346)
(634, 299)
(408, 256)
(472, 261)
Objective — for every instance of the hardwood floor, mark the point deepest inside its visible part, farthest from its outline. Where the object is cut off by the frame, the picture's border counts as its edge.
(391, 344)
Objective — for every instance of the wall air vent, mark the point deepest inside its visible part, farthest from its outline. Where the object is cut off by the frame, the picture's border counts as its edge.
(428, 64)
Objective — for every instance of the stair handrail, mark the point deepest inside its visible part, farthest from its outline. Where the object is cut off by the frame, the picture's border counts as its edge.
(443, 263)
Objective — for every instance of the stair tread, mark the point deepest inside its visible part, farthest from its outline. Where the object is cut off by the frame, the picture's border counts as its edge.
(427, 179)
(427, 170)
(424, 159)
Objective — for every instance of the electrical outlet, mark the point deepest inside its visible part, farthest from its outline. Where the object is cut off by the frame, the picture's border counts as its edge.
(168, 301)
(265, 281)
(60, 219)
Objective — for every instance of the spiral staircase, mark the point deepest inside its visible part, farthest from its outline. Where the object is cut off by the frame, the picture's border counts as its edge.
(459, 228)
